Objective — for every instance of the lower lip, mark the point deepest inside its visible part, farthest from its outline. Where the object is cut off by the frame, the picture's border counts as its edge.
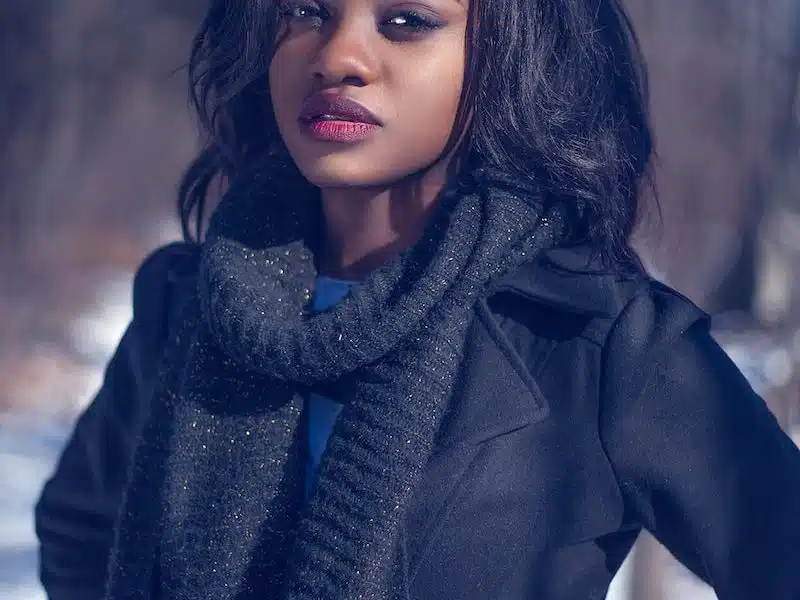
(338, 131)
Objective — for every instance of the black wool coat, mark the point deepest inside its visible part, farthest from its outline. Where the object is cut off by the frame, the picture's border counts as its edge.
(593, 406)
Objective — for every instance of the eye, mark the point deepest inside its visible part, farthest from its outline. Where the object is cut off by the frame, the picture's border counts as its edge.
(310, 13)
(410, 23)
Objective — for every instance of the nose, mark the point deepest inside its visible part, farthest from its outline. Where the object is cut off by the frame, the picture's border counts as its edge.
(347, 55)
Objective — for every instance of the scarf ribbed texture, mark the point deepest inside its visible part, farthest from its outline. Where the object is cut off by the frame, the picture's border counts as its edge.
(215, 506)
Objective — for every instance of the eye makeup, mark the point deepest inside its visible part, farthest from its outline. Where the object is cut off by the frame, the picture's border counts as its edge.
(398, 24)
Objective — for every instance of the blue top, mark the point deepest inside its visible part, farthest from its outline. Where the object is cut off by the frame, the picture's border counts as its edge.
(322, 411)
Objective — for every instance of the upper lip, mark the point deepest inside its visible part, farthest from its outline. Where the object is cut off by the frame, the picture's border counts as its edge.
(335, 105)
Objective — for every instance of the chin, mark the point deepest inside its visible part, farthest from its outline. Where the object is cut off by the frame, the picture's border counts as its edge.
(336, 171)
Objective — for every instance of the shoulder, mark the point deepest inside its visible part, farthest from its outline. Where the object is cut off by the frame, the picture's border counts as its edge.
(166, 264)
(163, 277)
(640, 348)
(586, 332)
(625, 309)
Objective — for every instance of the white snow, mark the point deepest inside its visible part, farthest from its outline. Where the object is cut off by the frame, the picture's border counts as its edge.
(28, 453)
(31, 442)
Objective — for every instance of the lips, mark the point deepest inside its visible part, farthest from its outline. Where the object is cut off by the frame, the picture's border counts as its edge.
(333, 107)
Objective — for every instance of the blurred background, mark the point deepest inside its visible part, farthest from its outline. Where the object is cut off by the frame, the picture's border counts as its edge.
(95, 131)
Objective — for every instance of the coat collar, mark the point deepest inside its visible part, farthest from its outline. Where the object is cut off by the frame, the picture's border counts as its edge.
(500, 393)
(569, 279)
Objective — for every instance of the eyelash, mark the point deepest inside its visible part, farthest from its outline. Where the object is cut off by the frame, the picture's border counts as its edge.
(416, 23)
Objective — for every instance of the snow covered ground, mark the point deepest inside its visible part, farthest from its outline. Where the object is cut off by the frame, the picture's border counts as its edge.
(28, 451)
(30, 442)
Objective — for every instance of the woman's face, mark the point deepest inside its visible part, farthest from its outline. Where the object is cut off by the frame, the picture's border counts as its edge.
(401, 60)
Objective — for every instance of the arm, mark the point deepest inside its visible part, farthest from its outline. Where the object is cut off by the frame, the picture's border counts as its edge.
(700, 458)
(77, 508)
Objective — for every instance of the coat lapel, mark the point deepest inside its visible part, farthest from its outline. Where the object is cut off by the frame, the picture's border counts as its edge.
(496, 395)
(498, 392)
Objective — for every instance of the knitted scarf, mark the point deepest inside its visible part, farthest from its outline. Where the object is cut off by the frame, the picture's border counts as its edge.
(215, 508)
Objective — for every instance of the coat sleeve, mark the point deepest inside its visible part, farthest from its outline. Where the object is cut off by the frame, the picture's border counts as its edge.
(77, 508)
(701, 460)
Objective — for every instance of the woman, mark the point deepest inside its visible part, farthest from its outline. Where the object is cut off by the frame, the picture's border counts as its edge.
(414, 356)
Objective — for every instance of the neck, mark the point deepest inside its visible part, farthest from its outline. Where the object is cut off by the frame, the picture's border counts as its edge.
(367, 227)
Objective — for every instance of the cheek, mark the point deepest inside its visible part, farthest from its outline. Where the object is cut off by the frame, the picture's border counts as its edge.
(284, 73)
(430, 95)
(277, 84)
(282, 95)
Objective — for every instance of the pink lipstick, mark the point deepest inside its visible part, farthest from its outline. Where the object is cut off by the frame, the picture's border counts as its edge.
(338, 131)
(334, 118)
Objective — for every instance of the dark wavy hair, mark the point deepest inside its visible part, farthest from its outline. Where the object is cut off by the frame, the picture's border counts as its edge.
(556, 90)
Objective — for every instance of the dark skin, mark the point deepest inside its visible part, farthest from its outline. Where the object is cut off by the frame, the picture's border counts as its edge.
(404, 61)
